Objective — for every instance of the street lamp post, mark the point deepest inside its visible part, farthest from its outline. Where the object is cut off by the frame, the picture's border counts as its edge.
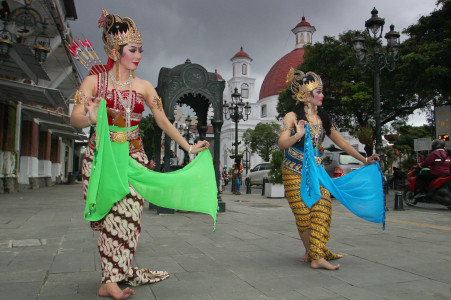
(236, 111)
(376, 60)
(186, 132)
(247, 159)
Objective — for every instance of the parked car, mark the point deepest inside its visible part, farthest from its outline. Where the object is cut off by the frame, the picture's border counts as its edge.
(257, 173)
(338, 163)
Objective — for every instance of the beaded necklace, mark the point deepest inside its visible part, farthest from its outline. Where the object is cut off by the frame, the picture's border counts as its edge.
(127, 102)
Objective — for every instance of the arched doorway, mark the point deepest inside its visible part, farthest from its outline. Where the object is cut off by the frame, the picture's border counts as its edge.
(190, 84)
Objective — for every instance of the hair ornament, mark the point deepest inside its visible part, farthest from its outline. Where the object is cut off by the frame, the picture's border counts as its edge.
(120, 37)
(302, 84)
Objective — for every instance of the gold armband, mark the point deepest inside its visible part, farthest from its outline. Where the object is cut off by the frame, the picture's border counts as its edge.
(284, 126)
(80, 98)
(156, 103)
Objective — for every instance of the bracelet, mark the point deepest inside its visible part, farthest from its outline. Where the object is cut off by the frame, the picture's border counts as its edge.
(190, 149)
(366, 160)
(90, 123)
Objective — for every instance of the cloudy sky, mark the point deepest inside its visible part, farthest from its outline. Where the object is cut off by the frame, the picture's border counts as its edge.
(210, 32)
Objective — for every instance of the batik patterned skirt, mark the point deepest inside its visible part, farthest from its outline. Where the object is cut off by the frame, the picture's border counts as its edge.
(120, 230)
(317, 219)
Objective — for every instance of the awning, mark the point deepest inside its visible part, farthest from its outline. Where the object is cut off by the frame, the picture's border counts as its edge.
(69, 135)
(32, 94)
(57, 123)
(21, 64)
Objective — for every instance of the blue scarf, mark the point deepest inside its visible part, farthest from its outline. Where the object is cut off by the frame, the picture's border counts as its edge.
(360, 191)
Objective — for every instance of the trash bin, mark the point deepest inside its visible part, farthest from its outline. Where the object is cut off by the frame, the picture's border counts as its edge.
(248, 186)
(71, 178)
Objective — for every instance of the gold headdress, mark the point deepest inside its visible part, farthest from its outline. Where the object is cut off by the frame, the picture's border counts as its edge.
(113, 41)
(300, 85)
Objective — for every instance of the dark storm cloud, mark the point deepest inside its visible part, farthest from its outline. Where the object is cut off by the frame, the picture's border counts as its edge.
(210, 32)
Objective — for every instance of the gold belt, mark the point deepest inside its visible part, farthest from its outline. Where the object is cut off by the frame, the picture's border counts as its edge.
(120, 137)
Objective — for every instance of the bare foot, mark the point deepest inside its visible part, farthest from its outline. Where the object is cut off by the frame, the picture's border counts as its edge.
(113, 290)
(305, 258)
(323, 264)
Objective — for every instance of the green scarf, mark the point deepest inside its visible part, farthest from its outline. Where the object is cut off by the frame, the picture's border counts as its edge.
(192, 188)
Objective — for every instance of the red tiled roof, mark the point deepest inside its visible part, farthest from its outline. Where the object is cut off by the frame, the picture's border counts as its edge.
(241, 53)
(274, 81)
(303, 23)
(218, 75)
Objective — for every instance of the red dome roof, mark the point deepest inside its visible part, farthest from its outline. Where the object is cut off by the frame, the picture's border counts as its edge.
(241, 53)
(274, 81)
(303, 23)
(218, 75)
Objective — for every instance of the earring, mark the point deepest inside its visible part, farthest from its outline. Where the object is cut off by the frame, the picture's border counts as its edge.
(309, 110)
(133, 73)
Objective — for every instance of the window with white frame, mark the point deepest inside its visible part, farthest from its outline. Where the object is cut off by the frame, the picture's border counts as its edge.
(263, 111)
(244, 69)
(245, 90)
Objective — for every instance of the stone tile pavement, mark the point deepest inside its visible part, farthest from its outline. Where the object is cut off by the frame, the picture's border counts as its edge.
(47, 251)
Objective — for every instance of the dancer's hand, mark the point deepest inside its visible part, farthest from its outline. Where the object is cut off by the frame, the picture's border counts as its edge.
(152, 165)
(300, 128)
(199, 146)
(91, 107)
(372, 159)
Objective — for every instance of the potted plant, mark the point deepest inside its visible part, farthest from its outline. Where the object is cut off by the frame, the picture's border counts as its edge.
(275, 189)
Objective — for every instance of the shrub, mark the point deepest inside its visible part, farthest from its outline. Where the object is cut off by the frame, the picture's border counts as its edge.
(275, 173)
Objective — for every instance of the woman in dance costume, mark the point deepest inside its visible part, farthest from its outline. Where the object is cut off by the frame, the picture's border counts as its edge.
(313, 222)
(125, 96)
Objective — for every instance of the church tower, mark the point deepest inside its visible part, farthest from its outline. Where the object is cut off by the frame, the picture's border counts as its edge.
(303, 32)
(241, 64)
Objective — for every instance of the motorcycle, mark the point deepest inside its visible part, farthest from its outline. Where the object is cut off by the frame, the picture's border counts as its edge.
(439, 190)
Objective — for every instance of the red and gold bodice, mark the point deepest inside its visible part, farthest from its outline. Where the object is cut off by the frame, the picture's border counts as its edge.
(114, 103)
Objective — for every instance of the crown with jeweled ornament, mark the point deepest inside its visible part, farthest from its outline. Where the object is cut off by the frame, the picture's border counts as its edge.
(113, 41)
(302, 84)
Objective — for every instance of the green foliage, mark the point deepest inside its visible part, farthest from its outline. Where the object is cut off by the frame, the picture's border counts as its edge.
(365, 135)
(275, 172)
(421, 75)
(147, 134)
(426, 55)
(405, 142)
(263, 139)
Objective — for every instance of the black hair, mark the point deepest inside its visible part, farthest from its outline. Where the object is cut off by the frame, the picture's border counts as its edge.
(300, 115)
(113, 27)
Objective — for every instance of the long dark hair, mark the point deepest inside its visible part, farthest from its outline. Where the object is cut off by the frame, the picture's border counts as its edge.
(300, 114)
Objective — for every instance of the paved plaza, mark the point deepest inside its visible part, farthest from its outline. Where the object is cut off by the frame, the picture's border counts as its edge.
(48, 251)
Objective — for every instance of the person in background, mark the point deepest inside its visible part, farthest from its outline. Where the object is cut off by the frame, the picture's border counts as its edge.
(221, 178)
(439, 164)
(237, 175)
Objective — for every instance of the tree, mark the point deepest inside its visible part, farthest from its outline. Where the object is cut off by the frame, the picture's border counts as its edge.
(405, 142)
(263, 139)
(426, 54)
(421, 75)
(147, 134)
